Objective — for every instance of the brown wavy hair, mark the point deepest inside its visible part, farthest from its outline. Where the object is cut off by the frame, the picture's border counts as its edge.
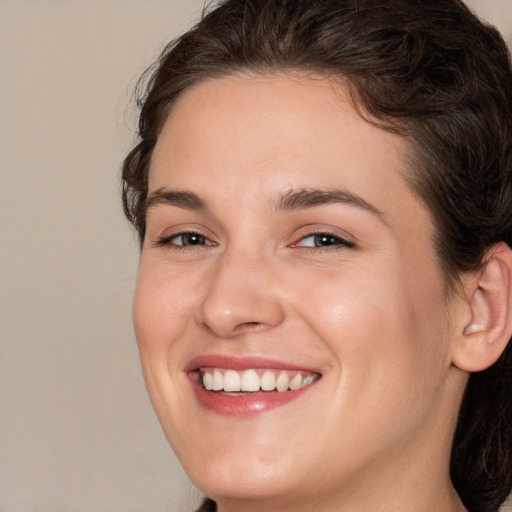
(429, 71)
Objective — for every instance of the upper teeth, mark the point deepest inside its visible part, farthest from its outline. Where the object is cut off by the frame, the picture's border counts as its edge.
(254, 380)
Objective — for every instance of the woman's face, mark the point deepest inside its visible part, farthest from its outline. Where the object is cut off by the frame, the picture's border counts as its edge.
(283, 240)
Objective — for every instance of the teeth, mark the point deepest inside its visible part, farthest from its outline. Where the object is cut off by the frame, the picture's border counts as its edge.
(232, 381)
(253, 380)
(208, 381)
(296, 382)
(308, 380)
(218, 381)
(282, 382)
(268, 381)
(250, 381)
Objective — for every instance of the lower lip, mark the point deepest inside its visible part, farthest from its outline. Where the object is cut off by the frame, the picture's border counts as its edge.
(249, 404)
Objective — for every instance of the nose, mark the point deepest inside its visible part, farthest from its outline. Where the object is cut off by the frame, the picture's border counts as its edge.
(240, 296)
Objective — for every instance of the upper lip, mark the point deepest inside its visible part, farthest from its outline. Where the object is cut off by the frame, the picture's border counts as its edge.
(243, 363)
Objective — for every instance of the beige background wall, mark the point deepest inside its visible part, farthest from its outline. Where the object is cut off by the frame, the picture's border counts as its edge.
(76, 429)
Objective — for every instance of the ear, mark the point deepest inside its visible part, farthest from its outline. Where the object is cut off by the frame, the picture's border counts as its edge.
(484, 337)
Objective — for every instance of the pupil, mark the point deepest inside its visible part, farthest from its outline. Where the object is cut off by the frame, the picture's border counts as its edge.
(323, 240)
(192, 239)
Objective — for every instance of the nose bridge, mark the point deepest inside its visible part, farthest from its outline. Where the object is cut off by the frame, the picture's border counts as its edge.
(240, 295)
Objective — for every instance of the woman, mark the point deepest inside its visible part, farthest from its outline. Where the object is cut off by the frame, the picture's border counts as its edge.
(323, 196)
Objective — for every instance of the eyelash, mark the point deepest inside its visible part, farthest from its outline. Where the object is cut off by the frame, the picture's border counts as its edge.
(339, 242)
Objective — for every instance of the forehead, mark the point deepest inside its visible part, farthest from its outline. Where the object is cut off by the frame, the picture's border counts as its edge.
(270, 134)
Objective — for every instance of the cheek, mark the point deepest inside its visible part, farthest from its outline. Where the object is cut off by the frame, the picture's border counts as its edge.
(161, 314)
(162, 307)
(149, 318)
(352, 308)
(385, 332)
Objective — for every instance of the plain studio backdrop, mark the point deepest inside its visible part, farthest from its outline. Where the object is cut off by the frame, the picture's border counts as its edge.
(77, 432)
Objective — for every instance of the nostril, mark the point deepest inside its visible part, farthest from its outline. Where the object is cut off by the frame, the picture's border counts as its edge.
(250, 326)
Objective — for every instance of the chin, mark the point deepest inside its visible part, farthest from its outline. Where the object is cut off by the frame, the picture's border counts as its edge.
(236, 468)
(244, 480)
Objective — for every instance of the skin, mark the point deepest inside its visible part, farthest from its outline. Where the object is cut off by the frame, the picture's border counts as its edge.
(373, 317)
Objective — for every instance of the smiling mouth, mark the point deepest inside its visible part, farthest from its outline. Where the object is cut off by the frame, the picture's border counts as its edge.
(233, 383)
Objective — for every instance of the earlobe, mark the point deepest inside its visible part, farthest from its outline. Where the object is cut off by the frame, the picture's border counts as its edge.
(484, 338)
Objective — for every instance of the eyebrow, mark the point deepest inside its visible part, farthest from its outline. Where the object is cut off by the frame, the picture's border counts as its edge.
(178, 198)
(313, 197)
(293, 199)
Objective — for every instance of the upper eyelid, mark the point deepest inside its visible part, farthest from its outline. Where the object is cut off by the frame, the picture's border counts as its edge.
(168, 231)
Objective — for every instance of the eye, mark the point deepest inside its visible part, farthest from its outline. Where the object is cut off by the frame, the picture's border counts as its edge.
(317, 240)
(187, 239)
